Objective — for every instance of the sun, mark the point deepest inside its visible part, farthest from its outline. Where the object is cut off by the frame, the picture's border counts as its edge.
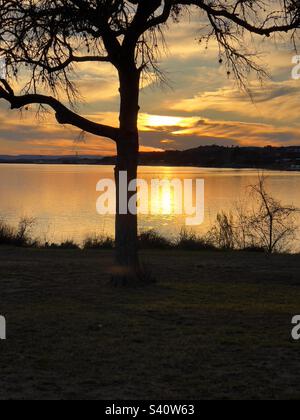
(162, 121)
(148, 122)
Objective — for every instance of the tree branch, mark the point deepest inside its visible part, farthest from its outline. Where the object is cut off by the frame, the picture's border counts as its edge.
(234, 17)
(163, 17)
(66, 63)
(63, 114)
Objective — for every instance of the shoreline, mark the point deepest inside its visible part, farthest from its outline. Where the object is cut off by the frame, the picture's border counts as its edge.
(257, 158)
(156, 165)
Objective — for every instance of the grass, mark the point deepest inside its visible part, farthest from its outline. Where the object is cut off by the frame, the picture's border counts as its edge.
(215, 326)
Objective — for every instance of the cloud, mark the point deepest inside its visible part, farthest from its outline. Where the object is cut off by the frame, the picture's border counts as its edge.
(202, 106)
(273, 102)
(221, 132)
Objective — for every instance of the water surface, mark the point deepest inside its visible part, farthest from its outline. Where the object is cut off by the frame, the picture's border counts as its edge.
(63, 198)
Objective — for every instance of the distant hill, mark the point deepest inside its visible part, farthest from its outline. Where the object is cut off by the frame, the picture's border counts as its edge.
(59, 160)
(280, 158)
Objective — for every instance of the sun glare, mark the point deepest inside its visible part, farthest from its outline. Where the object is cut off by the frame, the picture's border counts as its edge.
(162, 204)
(147, 121)
(161, 121)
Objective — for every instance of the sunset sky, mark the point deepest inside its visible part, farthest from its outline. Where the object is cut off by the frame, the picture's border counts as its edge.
(201, 106)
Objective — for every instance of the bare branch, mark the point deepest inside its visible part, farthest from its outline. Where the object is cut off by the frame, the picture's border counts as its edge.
(218, 11)
(72, 59)
(62, 113)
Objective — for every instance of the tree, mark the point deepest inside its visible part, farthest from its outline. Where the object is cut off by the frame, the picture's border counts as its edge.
(263, 223)
(272, 223)
(47, 39)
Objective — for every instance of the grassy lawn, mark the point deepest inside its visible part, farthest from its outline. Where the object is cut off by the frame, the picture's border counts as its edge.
(216, 325)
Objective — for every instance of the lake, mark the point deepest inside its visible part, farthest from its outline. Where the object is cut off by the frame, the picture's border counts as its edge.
(62, 198)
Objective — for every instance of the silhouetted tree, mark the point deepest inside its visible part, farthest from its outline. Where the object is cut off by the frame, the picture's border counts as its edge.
(47, 38)
(272, 223)
(262, 223)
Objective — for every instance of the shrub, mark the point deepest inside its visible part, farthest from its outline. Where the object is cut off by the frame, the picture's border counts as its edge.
(19, 236)
(68, 244)
(98, 242)
(191, 242)
(254, 249)
(152, 240)
(7, 234)
(222, 234)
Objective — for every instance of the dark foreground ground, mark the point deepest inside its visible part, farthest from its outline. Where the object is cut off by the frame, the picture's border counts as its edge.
(216, 325)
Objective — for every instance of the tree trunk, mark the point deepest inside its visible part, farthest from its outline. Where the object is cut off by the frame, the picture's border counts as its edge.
(126, 232)
(128, 269)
